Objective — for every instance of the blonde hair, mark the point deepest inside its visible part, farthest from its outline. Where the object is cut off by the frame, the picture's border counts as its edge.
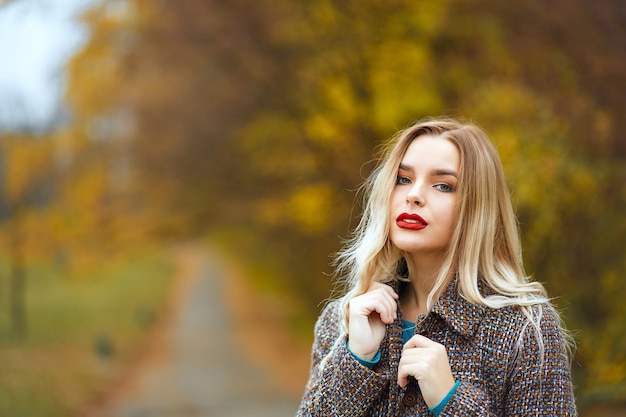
(485, 241)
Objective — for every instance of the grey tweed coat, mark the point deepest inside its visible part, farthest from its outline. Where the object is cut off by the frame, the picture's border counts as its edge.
(493, 352)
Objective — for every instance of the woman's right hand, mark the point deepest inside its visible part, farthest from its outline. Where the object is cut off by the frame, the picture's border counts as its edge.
(368, 317)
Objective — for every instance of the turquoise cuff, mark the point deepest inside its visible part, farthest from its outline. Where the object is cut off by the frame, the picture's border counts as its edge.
(366, 363)
(438, 409)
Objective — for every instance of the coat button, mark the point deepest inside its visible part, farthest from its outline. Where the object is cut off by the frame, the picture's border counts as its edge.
(409, 399)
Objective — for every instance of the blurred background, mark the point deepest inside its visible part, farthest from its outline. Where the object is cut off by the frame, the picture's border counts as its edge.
(134, 130)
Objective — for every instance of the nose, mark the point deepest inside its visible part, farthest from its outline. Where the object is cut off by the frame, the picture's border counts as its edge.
(415, 195)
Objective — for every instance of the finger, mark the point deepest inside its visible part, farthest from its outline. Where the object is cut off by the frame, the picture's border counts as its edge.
(410, 355)
(392, 309)
(390, 291)
(384, 287)
(372, 303)
(403, 379)
(380, 299)
(389, 310)
(404, 372)
(392, 297)
(384, 294)
(419, 341)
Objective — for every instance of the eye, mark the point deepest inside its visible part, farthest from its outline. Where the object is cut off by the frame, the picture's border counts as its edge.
(400, 180)
(446, 188)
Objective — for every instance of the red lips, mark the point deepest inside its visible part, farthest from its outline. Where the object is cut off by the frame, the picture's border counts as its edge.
(411, 222)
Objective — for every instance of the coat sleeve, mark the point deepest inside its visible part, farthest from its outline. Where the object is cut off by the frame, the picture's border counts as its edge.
(338, 384)
(537, 385)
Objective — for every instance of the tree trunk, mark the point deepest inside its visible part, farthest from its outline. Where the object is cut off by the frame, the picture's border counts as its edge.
(17, 281)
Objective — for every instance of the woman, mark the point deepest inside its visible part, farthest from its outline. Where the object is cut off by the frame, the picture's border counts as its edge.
(439, 317)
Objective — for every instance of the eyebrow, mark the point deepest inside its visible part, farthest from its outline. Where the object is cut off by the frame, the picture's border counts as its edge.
(435, 172)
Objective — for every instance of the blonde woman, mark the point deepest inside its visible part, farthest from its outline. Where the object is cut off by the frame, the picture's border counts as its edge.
(439, 317)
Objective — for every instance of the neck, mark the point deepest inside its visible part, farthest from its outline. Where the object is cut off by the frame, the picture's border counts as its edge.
(423, 272)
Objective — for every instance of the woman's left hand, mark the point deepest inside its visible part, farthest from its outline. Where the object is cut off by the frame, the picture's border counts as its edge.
(427, 362)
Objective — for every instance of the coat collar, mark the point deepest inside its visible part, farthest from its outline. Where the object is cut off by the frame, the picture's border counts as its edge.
(459, 313)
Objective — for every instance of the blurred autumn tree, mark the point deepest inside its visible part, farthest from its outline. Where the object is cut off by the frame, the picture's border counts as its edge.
(23, 191)
(257, 120)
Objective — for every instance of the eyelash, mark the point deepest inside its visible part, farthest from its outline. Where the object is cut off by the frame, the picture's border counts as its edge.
(400, 180)
(443, 187)
(448, 187)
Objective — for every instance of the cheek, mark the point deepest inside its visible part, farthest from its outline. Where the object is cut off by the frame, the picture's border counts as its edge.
(395, 200)
(452, 216)
(447, 214)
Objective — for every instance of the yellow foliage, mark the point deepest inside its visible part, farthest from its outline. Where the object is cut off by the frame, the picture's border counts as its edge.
(27, 162)
(321, 129)
(341, 100)
(271, 212)
(311, 207)
(95, 74)
(324, 14)
(86, 190)
(583, 181)
(275, 145)
(402, 84)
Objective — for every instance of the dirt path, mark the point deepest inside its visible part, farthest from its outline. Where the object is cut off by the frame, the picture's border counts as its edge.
(196, 366)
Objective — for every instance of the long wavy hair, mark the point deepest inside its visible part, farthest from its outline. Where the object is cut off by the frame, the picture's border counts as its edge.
(485, 242)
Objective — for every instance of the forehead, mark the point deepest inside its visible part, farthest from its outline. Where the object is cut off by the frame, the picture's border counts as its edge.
(432, 151)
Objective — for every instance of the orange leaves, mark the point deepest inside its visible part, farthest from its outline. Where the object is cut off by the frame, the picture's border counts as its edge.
(27, 164)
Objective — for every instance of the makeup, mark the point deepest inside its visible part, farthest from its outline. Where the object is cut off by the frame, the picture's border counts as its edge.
(411, 221)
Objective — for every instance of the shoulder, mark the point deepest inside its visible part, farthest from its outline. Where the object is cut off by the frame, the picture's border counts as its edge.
(541, 316)
(516, 317)
(532, 329)
(549, 333)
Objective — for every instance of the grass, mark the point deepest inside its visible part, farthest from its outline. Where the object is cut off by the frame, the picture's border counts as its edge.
(81, 329)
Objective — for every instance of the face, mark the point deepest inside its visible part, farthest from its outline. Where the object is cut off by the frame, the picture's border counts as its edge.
(423, 201)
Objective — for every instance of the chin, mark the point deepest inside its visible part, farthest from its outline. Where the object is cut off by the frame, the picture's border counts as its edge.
(409, 247)
(413, 247)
